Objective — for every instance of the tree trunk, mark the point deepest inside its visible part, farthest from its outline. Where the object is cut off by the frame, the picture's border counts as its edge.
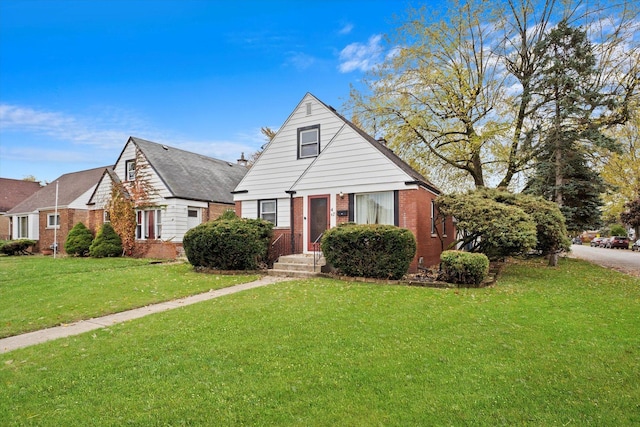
(553, 259)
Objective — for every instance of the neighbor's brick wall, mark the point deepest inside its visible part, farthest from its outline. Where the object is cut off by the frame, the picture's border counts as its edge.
(217, 209)
(68, 218)
(5, 228)
(238, 208)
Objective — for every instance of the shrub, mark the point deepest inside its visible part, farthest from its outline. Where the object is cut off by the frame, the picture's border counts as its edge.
(16, 247)
(228, 244)
(107, 243)
(618, 230)
(464, 267)
(378, 251)
(78, 240)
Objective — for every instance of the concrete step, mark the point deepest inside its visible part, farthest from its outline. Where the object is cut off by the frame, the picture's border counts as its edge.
(301, 259)
(292, 273)
(295, 266)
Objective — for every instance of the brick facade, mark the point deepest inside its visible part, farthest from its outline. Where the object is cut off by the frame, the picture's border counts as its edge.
(68, 218)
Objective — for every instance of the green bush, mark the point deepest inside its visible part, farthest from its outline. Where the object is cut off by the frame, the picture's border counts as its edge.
(618, 230)
(464, 267)
(78, 240)
(378, 251)
(16, 247)
(107, 243)
(228, 243)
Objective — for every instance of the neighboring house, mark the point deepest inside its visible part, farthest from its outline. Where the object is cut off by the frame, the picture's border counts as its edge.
(187, 189)
(35, 217)
(12, 192)
(320, 170)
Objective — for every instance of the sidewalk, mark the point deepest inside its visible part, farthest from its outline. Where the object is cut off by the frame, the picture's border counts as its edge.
(43, 335)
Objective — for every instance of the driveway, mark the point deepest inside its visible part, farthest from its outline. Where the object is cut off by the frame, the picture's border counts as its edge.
(618, 259)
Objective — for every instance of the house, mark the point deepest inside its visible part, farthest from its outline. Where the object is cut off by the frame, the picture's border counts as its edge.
(182, 189)
(12, 192)
(35, 218)
(320, 170)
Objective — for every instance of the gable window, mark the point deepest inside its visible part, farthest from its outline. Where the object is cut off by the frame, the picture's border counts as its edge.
(23, 227)
(53, 221)
(149, 224)
(130, 170)
(375, 208)
(267, 210)
(308, 141)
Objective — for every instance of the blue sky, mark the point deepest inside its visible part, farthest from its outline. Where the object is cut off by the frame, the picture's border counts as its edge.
(78, 77)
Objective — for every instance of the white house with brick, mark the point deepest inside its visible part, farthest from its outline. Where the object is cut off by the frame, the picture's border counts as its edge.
(188, 189)
(320, 170)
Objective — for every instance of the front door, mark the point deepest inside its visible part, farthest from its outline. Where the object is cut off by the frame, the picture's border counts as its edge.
(318, 218)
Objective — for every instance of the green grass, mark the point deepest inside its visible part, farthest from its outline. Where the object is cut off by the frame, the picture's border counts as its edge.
(38, 292)
(545, 346)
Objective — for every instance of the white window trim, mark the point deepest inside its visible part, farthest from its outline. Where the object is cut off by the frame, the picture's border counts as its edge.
(106, 216)
(315, 129)
(141, 224)
(130, 172)
(49, 217)
(20, 233)
(274, 212)
(392, 207)
(434, 231)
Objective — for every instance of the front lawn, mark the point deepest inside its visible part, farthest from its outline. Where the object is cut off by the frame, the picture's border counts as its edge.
(37, 292)
(545, 346)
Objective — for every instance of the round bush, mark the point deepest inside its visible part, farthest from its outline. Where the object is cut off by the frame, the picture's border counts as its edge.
(377, 251)
(228, 244)
(464, 267)
(78, 240)
(107, 243)
(16, 247)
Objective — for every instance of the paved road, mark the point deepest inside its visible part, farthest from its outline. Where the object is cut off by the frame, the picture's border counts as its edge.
(618, 259)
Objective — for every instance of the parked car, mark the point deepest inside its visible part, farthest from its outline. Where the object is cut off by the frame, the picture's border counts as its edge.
(636, 246)
(576, 240)
(618, 242)
(596, 241)
(604, 242)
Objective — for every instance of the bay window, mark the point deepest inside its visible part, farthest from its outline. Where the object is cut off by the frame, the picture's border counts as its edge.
(149, 224)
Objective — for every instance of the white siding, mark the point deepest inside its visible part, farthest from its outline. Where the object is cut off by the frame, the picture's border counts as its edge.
(176, 218)
(352, 165)
(250, 210)
(81, 202)
(102, 193)
(278, 167)
(129, 153)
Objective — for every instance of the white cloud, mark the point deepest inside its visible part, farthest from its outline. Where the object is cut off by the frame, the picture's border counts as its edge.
(359, 56)
(346, 29)
(300, 61)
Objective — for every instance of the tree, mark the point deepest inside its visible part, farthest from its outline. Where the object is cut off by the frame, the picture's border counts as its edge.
(269, 134)
(565, 87)
(631, 216)
(78, 240)
(455, 96)
(499, 222)
(126, 197)
(107, 243)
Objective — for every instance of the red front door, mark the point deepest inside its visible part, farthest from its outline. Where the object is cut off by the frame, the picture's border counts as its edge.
(318, 216)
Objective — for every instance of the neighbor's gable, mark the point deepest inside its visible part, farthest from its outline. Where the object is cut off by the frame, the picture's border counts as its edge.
(127, 156)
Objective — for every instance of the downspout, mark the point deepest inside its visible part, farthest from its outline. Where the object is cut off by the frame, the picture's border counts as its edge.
(291, 220)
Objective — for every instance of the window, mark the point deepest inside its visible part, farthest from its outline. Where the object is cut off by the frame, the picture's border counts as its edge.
(53, 220)
(444, 226)
(23, 227)
(149, 224)
(130, 166)
(192, 213)
(106, 216)
(375, 208)
(308, 141)
(433, 217)
(267, 210)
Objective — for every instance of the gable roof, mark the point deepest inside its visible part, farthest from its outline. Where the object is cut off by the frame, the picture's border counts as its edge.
(14, 191)
(386, 151)
(70, 187)
(192, 176)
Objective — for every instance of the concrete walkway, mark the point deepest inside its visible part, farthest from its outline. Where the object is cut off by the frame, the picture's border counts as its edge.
(37, 337)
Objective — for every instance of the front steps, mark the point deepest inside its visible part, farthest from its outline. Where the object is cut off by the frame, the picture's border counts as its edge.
(298, 265)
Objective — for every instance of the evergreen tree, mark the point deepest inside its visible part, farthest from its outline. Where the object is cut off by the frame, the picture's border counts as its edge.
(78, 240)
(107, 243)
(565, 86)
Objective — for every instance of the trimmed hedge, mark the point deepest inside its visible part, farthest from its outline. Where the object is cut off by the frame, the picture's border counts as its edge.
(377, 251)
(464, 267)
(79, 240)
(107, 243)
(16, 247)
(228, 243)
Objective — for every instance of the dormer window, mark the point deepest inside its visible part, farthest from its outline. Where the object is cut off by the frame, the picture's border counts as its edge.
(308, 141)
(130, 166)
